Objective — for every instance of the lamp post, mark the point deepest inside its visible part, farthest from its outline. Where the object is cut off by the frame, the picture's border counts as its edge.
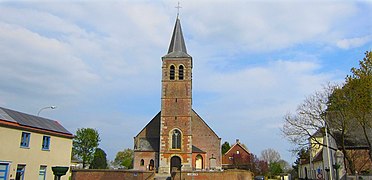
(337, 165)
(327, 170)
(180, 171)
(48, 107)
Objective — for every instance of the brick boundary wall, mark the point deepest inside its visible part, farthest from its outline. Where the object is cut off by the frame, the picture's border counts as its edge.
(106, 174)
(231, 174)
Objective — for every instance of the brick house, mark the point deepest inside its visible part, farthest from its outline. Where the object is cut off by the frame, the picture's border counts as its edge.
(236, 157)
(177, 135)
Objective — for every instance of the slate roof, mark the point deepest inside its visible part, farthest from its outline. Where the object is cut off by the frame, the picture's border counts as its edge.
(354, 141)
(196, 150)
(148, 144)
(149, 137)
(32, 121)
(177, 46)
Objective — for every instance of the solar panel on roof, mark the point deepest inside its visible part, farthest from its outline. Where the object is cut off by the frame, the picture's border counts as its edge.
(33, 121)
(5, 116)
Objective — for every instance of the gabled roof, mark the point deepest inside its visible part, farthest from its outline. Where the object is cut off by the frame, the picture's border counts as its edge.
(238, 144)
(20, 119)
(177, 47)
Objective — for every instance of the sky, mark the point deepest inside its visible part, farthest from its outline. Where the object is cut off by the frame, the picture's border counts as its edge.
(99, 62)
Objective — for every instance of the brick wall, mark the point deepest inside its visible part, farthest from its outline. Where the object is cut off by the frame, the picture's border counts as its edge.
(95, 174)
(89, 174)
(217, 175)
(147, 157)
(205, 139)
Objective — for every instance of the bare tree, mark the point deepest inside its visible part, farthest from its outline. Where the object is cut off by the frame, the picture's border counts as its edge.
(270, 155)
(309, 118)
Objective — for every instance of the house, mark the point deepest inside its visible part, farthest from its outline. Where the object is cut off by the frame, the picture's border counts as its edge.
(327, 163)
(237, 156)
(31, 146)
(177, 137)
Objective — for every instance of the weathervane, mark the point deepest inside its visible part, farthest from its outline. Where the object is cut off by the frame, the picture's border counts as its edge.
(178, 9)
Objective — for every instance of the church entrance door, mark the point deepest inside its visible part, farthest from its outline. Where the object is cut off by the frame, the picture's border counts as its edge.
(175, 163)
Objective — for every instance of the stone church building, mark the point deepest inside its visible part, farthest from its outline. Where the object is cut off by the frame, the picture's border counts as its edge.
(177, 136)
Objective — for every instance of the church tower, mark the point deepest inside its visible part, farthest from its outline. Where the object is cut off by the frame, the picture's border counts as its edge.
(177, 136)
(176, 106)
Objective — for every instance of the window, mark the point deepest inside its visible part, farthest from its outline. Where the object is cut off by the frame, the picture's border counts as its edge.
(25, 139)
(180, 72)
(4, 171)
(142, 163)
(46, 142)
(151, 165)
(176, 139)
(42, 172)
(20, 172)
(171, 72)
(237, 152)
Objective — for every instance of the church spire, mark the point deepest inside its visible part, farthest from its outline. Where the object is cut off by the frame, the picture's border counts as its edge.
(177, 47)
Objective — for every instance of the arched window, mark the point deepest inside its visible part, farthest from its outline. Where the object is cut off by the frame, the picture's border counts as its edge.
(142, 163)
(176, 139)
(151, 165)
(180, 72)
(171, 72)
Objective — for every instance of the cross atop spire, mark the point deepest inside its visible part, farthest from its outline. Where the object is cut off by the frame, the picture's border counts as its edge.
(178, 9)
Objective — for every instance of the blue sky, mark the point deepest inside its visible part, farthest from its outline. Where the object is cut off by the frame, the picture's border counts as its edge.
(99, 62)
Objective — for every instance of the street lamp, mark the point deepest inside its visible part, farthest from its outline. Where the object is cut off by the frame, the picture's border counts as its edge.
(337, 165)
(48, 107)
(180, 171)
(327, 170)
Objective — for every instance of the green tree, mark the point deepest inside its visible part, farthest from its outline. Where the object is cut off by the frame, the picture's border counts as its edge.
(350, 108)
(99, 160)
(225, 147)
(124, 158)
(85, 143)
(360, 82)
(275, 168)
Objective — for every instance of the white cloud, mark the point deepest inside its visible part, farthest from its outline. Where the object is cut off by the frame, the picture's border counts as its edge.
(265, 26)
(354, 42)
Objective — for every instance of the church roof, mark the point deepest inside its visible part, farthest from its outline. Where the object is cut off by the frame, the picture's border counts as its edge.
(177, 47)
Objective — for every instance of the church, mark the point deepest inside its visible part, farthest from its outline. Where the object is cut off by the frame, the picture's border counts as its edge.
(177, 137)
